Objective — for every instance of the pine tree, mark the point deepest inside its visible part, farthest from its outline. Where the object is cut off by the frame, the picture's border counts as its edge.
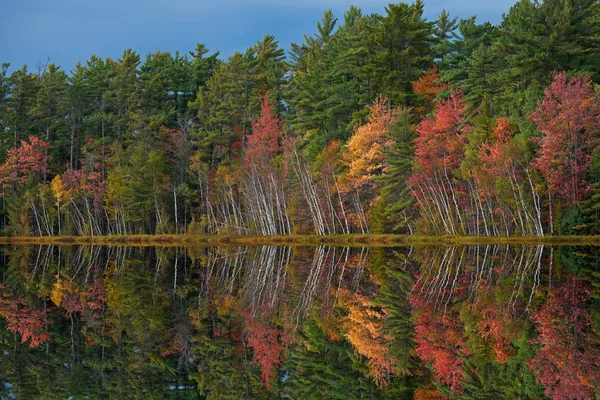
(401, 47)
(394, 210)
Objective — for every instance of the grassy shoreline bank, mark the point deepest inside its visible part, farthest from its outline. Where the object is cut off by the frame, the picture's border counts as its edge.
(356, 240)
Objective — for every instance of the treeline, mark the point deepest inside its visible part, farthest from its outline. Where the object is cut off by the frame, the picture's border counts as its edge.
(376, 123)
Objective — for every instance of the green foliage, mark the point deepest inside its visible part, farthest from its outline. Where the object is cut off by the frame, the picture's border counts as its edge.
(394, 212)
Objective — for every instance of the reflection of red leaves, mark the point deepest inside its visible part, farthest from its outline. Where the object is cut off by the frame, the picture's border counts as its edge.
(173, 344)
(71, 302)
(568, 363)
(429, 394)
(30, 324)
(440, 343)
(439, 334)
(264, 340)
(94, 305)
(96, 295)
(495, 323)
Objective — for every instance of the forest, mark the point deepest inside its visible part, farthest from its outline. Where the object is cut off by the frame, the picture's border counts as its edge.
(379, 123)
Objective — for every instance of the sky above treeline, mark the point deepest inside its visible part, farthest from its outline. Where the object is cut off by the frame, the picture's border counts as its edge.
(67, 31)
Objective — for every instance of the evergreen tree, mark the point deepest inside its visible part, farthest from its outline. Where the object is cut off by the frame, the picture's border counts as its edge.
(401, 49)
(445, 34)
(394, 212)
(51, 108)
(307, 89)
(23, 89)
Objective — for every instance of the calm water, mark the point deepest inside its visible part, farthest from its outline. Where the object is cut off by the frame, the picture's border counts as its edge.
(487, 322)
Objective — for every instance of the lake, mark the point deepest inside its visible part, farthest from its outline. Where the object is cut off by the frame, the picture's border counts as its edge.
(472, 322)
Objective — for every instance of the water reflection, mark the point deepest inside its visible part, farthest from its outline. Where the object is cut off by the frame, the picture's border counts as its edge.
(280, 322)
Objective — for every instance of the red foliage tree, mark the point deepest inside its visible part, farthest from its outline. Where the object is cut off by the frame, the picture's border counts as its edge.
(21, 162)
(96, 188)
(429, 87)
(264, 143)
(569, 119)
(439, 152)
(440, 138)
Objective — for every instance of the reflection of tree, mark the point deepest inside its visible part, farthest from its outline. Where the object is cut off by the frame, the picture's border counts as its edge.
(568, 363)
(264, 339)
(393, 270)
(320, 368)
(265, 283)
(30, 324)
(440, 343)
(469, 305)
(364, 330)
(320, 322)
(266, 278)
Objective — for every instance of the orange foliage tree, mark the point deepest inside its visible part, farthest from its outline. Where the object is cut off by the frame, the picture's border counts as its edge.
(366, 148)
(429, 87)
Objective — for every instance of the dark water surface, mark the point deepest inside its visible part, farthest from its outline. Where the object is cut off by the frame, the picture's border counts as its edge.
(480, 322)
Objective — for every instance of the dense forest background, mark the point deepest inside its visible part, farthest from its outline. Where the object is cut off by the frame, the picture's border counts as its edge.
(376, 123)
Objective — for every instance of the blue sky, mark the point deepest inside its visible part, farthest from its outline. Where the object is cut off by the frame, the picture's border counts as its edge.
(68, 31)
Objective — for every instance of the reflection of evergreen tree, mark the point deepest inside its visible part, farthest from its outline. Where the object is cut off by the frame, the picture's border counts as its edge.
(585, 261)
(323, 368)
(393, 272)
(224, 370)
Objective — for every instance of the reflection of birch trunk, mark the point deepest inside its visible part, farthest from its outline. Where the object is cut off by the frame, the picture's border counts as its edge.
(529, 257)
(442, 274)
(265, 279)
(360, 267)
(310, 285)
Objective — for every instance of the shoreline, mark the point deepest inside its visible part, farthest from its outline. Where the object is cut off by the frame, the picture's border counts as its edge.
(353, 240)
